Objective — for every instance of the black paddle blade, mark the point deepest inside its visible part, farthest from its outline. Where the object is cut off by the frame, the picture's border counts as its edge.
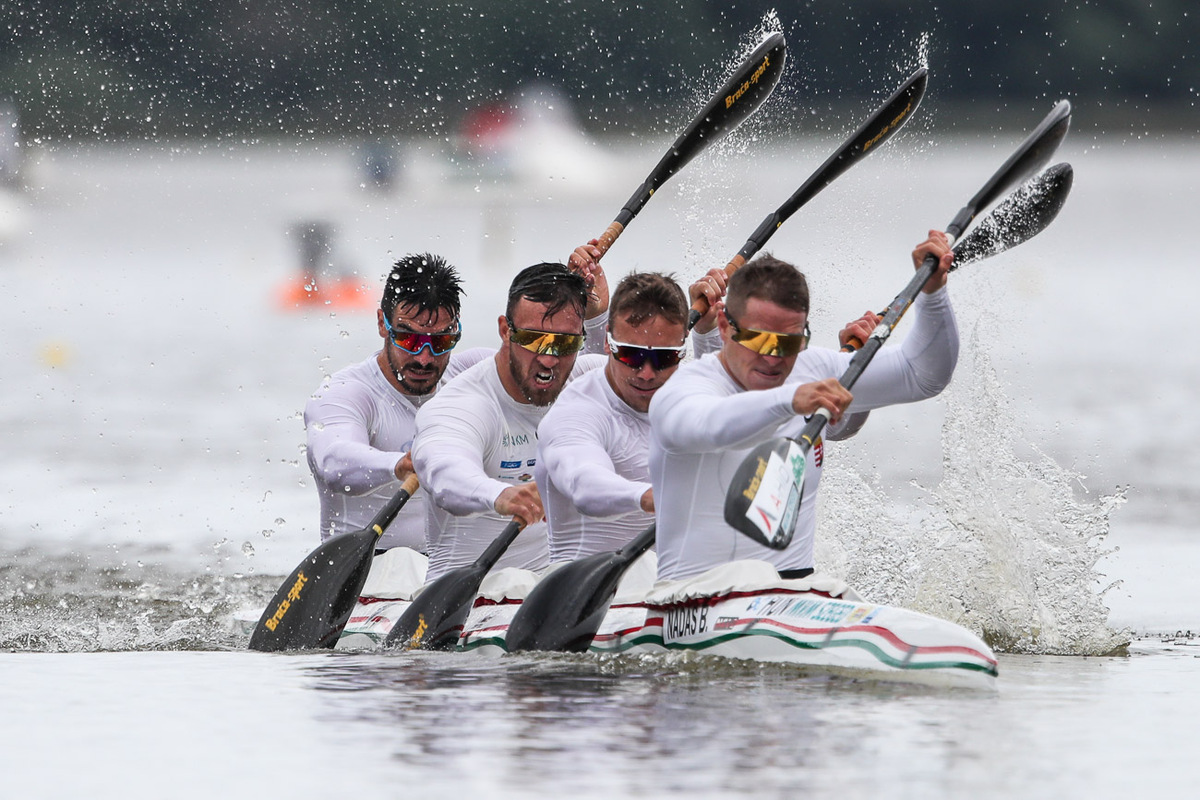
(312, 606)
(1032, 154)
(763, 498)
(750, 84)
(884, 123)
(1023, 215)
(436, 616)
(565, 609)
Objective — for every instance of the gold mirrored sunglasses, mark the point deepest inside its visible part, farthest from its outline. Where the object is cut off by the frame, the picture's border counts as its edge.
(768, 343)
(545, 342)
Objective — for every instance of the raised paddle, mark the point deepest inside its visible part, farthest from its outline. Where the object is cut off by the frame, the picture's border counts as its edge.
(878, 128)
(750, 84)
(435, 618)
(764, 495)
(312, 606)
(1023, 214)
(565, 609)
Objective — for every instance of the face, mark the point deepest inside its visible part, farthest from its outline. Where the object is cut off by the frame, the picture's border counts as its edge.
(749, 369)
(414, 374)
(529, 377)
(637, 385)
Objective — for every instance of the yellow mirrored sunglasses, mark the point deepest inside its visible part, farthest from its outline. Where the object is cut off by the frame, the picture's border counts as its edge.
(768, 343)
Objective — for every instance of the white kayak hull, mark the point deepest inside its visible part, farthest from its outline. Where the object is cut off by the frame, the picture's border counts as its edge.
(816, 622)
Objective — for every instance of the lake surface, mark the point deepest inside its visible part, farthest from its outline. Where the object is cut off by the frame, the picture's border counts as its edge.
(153, 484)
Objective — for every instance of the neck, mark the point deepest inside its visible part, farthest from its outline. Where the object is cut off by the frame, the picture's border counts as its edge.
(504, 370)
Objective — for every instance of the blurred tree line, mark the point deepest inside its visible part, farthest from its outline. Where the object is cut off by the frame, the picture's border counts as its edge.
(112, 69)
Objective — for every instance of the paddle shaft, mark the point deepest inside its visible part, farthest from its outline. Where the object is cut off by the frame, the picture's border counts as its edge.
(877, 129)
(750, 85)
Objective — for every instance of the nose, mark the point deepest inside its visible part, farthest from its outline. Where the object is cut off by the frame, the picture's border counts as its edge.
(646, 371)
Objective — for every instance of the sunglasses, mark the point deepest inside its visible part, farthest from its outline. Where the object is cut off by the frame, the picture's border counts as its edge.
(411, 342)
(633, 355)
(545, 343)
(768, 343)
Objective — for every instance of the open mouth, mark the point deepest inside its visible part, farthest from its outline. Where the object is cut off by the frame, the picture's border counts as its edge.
(543, 378)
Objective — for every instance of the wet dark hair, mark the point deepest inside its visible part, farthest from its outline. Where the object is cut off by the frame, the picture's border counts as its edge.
(425, 281)
(550, 284)
(642, 295)
(767, 278)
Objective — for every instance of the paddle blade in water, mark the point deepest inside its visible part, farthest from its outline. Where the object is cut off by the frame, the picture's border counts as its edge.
(1023, 215)
(764, 496)
(565, 609)
(312, 606)
(435, 618)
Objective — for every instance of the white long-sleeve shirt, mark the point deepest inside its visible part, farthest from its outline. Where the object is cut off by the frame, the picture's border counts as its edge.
(473, 442)
(592, 469)
(358, 426)
(703, 424)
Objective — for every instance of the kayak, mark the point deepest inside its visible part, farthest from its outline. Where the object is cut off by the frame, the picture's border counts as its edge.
(740, 610)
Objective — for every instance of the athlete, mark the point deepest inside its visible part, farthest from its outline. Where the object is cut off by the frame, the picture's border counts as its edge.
(360, 423)
(593, 445)
(476, 444)
(591, 465)
(762, 384)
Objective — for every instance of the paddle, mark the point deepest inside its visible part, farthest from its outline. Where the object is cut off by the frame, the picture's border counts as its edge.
(565, 609)
(750, 84)
(311, 607)
(435, 618)
(764, 496)
(878, 128)
(1022, 215)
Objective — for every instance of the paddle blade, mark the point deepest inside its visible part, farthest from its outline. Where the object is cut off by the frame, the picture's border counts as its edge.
(763, 499)
(565, 609)
(1023, 215)
(1032, 154)
(312, 606)
(435, 618)
(747, 88)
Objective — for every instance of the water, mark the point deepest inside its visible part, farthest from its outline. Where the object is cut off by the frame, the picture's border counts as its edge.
(154, 484)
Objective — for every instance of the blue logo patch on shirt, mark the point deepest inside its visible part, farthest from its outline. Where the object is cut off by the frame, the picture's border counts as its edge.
(510, 464)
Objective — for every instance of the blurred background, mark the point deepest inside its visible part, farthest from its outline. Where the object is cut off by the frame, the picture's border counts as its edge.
(378, 69)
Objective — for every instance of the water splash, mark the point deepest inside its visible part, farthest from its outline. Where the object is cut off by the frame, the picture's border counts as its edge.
(1006, 545)
(69, 603)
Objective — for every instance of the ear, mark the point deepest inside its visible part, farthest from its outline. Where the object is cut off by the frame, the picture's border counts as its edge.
(502, 325)
(607, 349)
(379, 323)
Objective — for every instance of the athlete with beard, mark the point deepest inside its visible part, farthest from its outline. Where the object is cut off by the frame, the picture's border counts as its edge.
(476, 444)
(360, 423)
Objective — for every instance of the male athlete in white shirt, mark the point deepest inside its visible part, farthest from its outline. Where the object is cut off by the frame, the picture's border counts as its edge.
(476, 444)
(762, 384)
(592, 445)
(361, 422)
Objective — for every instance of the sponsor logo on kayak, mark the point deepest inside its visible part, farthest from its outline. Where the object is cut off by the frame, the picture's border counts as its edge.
(745, 87)
(832, 612)
(685, 621)
(890, 126)
(292, 596)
